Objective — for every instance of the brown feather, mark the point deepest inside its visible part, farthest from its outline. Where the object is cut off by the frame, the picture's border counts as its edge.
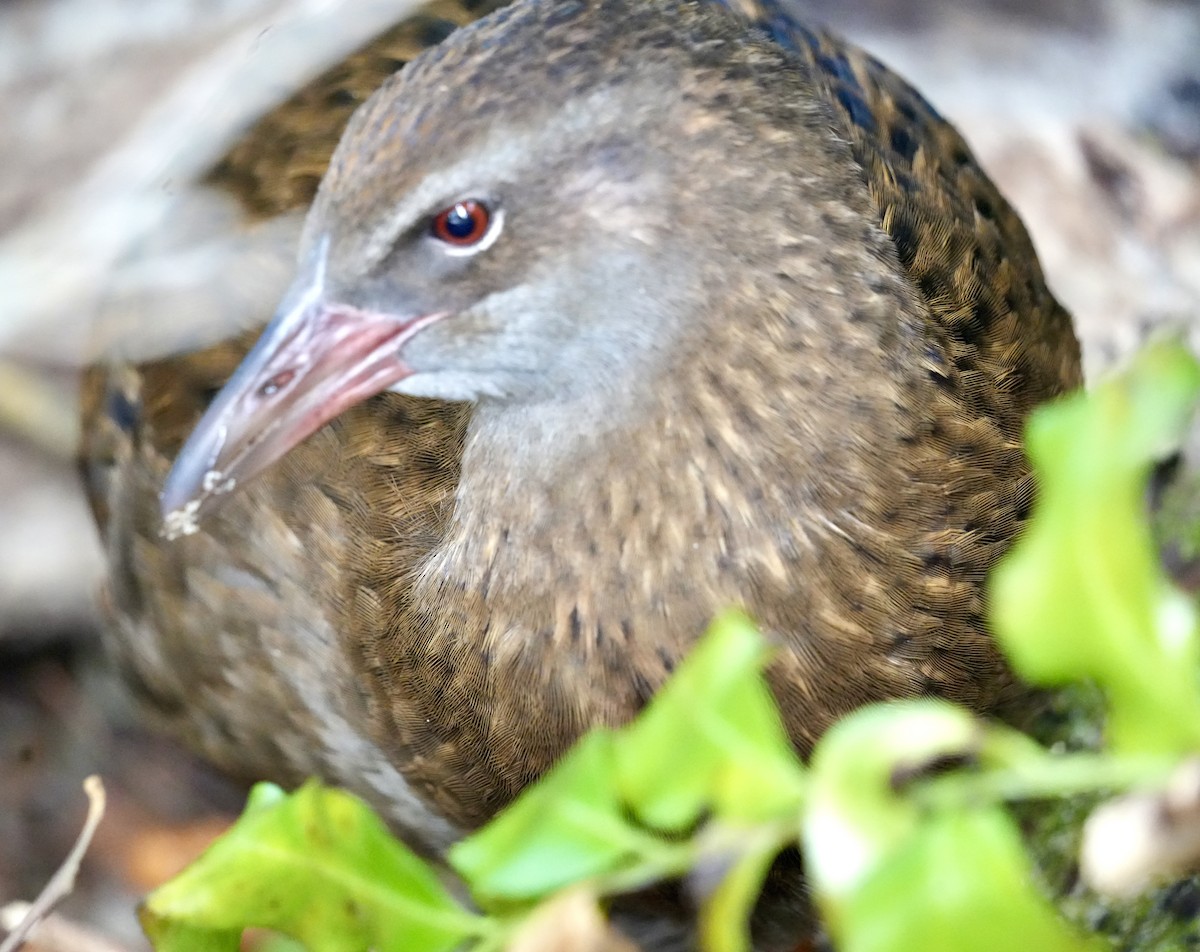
(345, 615)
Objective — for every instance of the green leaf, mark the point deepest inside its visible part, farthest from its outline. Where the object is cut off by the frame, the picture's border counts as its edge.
(855, 816)
(568, 827)
(961, 882)
(1082, 594)
(167, 935)
(891, 876)
(316, 865)
(711, 738)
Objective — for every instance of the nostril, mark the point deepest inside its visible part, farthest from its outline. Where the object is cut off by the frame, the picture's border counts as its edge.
(276, 383)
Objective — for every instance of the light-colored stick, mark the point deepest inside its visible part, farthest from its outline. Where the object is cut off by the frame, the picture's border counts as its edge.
(63, 880)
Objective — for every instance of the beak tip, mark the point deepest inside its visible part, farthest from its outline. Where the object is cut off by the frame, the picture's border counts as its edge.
(183, 498)
(311, 362)
(180, 522)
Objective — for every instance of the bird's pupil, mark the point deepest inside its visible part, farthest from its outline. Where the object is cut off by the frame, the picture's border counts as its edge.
(460, 223)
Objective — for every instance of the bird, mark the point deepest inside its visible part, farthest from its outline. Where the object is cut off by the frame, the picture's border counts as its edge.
(607, 315)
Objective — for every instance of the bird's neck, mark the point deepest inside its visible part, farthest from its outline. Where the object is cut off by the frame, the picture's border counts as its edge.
(591, 540)
(709, 476)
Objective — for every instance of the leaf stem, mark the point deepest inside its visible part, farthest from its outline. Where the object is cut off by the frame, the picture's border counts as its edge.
(1046, 777)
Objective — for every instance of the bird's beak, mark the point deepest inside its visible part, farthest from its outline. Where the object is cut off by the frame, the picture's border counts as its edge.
(314, 360)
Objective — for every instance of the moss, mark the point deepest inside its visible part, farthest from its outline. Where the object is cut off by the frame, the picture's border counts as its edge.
(1164, 920)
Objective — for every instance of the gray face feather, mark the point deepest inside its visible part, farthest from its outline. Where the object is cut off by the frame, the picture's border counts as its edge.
(603, 257)
(587, 284)
(574, 285)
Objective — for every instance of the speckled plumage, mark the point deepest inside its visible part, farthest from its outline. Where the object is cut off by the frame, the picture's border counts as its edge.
(822, 422)
(231, 639)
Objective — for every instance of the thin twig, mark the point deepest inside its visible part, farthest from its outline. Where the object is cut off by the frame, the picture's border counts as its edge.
(63, 880)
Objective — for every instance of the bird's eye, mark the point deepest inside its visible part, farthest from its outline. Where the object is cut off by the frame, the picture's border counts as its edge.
(463, 224)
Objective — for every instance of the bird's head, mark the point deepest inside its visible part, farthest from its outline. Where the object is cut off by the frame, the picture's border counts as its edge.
(515, 217)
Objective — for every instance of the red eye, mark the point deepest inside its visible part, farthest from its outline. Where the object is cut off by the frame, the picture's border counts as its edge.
(462, 224)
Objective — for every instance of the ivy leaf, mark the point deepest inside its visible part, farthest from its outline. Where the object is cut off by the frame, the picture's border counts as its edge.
(568, 827)
(317, 865)
(711, 738)
(168, 935)
(961, 882)
(855, 817)
(1082, 594)
(892, 875)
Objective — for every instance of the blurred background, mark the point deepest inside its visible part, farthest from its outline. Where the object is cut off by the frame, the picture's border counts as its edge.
(1086, 113)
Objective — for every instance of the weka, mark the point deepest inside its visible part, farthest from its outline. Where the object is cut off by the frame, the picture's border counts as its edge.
(610, 314)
